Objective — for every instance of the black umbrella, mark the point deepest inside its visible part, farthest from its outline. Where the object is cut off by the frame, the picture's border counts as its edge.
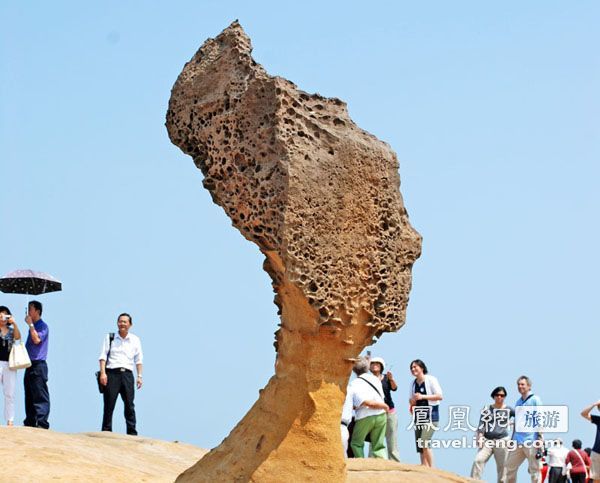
(29, 282)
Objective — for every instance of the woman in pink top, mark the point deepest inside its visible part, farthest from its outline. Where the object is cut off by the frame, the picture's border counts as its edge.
(580, 463)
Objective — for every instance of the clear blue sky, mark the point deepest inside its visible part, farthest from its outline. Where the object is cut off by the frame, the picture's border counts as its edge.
(493, 110)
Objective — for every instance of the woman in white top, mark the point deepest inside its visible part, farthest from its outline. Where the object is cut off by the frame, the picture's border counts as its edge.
(9, 332)
(425, 395)
(556, 458)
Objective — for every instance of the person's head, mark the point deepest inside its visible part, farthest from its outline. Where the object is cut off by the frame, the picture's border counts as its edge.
(577, 444)
(588, 451)
(418, 368)
(377, 365)
(499, 394)
(4, 311)
(34, 310)
(523, 385)
(361, 366)
(124, 322)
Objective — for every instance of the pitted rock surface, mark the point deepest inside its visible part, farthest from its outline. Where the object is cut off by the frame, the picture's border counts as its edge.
(298, 177)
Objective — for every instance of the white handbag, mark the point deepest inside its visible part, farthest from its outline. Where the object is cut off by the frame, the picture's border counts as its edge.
(18, 358)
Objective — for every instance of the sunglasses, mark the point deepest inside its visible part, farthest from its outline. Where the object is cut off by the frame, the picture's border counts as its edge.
(501, 395)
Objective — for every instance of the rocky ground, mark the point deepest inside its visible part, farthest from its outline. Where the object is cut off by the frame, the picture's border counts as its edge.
(40, 456)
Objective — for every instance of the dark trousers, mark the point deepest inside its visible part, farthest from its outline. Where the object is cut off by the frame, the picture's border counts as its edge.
(555, 475)
(37, 397)
(119, 383)
(578, 478)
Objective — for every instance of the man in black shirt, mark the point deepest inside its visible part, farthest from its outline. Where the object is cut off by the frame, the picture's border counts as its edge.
(388, 384)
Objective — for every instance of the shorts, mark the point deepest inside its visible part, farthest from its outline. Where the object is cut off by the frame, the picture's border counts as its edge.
(423, 435)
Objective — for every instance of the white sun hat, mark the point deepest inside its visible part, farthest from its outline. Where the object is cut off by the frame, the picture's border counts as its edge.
(380, 360)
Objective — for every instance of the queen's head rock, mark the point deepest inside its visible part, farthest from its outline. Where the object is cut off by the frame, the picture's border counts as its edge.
(320, 197)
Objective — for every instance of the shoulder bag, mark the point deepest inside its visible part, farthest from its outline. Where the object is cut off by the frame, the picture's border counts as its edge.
(582, 462)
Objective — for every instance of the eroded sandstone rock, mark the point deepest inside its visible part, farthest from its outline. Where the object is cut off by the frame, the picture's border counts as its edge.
(320, 197)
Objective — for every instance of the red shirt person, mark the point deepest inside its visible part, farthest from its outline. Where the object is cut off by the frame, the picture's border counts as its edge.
(580, 462)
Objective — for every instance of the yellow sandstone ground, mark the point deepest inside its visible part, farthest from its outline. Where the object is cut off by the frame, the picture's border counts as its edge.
(384, 471)
(40, 456)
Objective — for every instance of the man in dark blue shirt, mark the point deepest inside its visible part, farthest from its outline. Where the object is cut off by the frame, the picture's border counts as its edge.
(595, 456)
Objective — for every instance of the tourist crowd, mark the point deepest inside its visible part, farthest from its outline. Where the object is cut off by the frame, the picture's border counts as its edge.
(369, 415)
(119, 354)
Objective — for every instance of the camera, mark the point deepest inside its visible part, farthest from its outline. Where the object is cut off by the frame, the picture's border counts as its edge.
(6, 317)
(539, 454)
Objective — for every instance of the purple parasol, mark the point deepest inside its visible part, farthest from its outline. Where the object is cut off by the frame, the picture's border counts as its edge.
(29, 282)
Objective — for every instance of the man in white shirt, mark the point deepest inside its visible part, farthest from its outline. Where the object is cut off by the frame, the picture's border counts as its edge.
(117, 359)
(370, 418)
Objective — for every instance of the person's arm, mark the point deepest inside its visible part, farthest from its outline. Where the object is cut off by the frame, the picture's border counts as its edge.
(103, 361)
(536, 401)
(437, 390)
(140, 378)
(103, 376)
(428, 397)
(138, 359)
(586, 412)
(348, 406)
(479, 431)
(356, 402)
(373, 404)
(16, 331)
(393, 385)
(36, 338)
